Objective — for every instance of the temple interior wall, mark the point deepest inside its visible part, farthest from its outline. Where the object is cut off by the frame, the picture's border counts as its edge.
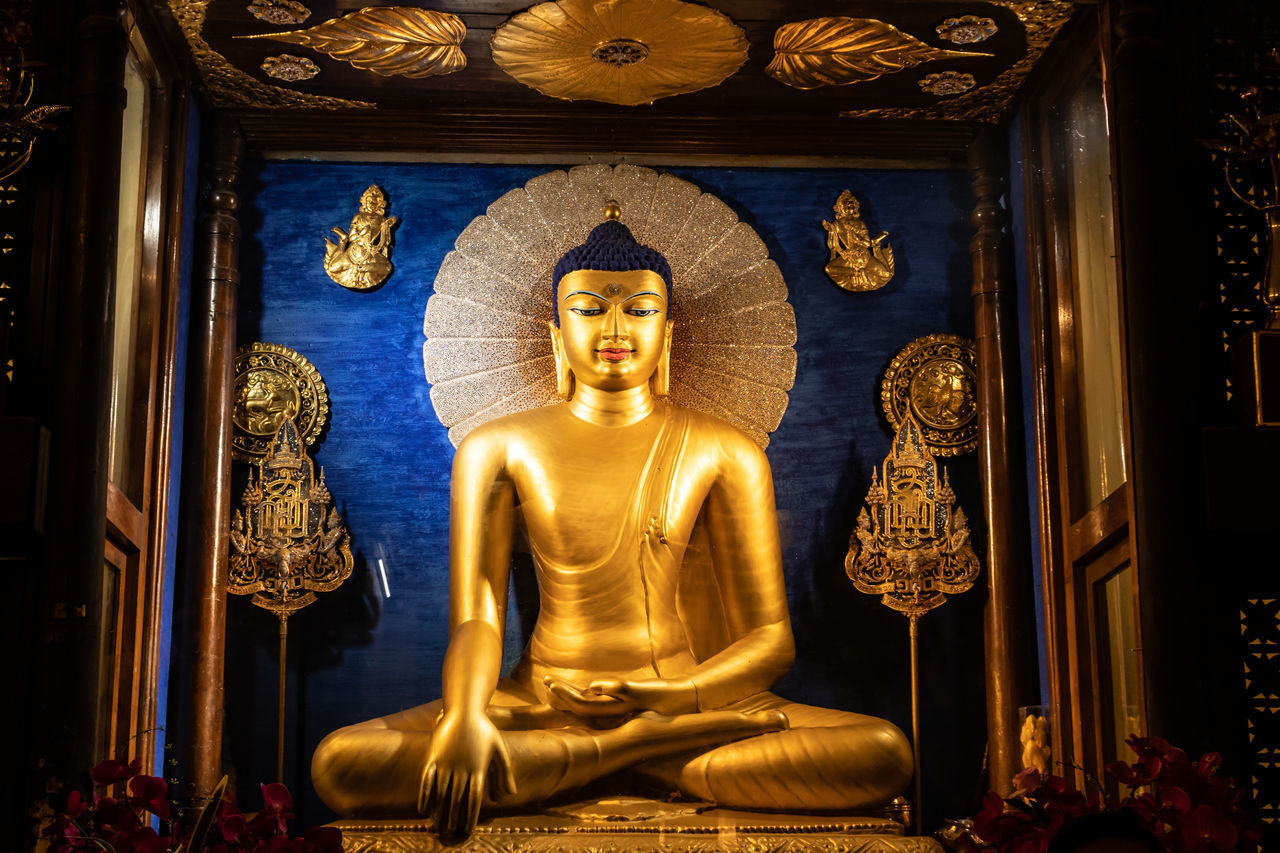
(359, 652)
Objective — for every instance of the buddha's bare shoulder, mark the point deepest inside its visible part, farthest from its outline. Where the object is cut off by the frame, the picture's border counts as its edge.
(722, 438)
(515, 429)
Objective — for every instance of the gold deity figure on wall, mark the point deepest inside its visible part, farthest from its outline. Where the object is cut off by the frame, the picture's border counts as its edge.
(857, 261)
(360, 259)
(663, 619)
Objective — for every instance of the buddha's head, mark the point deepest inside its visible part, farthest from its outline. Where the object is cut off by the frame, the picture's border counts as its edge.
(612, 301)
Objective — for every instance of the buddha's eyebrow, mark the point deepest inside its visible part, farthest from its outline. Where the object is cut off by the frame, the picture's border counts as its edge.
(587, 293)
(645, 293)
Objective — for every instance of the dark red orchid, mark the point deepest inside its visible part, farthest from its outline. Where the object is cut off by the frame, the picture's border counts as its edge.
(1187, 805)
(123, 823)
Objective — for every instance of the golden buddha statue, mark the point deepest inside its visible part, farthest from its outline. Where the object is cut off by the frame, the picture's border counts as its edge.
(857, 260)
(663, 619)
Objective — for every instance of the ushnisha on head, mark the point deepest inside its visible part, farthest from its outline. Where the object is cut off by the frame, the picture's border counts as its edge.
(612, 300)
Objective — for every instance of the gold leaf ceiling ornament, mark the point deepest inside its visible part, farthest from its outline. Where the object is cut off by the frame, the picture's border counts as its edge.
(391, 41)
(488, 351)
(838, 51)
(1042, 20)
(227, 85)
(625, 52)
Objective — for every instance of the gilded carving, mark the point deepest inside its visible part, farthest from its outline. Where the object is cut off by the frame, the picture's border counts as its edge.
(933, 379)
(945, 83)
(625, 52)
(838, 51)
(968, 29)
(282, 13)
(292, 69)
(1041, 21)
(538, 834)
(487, 353)
(288, 541)
(857, 260)
(227, 85)
(360, 260)
(273, 384)
(390, 41)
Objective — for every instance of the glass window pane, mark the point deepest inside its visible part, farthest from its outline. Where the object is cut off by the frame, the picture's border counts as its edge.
(132, 157)
(1096, 315)
(1121, 638)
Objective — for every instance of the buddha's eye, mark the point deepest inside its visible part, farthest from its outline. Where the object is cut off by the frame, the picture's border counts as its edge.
(587, 312)
(642, 312)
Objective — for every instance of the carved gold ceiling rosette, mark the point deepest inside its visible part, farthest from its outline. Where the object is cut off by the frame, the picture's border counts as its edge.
(838, 51)
(488, 350)
(625, 52)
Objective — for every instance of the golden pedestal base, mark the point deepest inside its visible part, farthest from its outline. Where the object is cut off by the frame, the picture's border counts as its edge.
(669, 828)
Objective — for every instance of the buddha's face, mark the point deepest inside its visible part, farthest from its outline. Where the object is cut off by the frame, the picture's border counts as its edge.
(613, 326)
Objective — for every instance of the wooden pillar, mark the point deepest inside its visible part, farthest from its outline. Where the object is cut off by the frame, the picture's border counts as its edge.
(72, 618)
(207, 468)
(1009, 630)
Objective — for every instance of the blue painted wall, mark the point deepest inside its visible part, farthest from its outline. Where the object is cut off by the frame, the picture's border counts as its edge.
(360, 653)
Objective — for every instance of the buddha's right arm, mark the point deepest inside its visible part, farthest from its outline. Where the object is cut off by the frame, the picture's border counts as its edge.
(480, 529)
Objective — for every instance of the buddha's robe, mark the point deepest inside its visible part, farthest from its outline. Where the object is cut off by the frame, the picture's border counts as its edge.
(652, 605)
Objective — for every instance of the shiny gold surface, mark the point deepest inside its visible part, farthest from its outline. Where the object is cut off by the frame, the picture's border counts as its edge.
(713, 831)
(857, 261)
(912, 550)
(274, 383)
(288, 543)
(934, 380)
(488, 353)
(662, 620)
(282, 13)
(227, 85)
(390, 41)
(626, 52)
(838, 51)
(1034, 737)
(360, 259)
(287, 540)
(1042, 20)
(20, 123)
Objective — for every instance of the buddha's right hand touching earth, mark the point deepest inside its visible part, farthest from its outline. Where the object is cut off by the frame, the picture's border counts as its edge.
(467, 758)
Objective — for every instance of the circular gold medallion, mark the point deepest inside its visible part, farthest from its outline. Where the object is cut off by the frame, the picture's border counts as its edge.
(935, 377)
(273, 382)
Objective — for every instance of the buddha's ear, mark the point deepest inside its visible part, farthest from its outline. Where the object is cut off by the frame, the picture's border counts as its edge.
(564, 376)
(662, 375)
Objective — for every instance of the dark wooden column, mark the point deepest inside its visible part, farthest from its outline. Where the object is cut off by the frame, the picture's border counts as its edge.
(207, 468)
(1009, 630)
(73, 618)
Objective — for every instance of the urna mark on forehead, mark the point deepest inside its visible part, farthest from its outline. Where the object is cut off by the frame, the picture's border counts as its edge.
(610, 247)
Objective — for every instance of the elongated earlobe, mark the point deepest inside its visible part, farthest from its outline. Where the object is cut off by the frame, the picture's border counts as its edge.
(661, 381)
(564, 376)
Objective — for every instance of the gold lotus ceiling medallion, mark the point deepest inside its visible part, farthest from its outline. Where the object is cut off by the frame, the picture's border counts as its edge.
(391, 41)
(626, 52)
(839, 51)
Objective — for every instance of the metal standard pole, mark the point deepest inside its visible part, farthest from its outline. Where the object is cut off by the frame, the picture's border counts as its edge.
(284, 638)
(915, 719)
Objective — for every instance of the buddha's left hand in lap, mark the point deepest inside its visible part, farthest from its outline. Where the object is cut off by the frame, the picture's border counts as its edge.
(617, 697)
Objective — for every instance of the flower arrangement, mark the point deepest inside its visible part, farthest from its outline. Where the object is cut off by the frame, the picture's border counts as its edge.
(1187, 805)
(123, 824)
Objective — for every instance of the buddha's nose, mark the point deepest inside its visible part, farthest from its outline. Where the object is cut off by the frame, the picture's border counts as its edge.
(615, 325)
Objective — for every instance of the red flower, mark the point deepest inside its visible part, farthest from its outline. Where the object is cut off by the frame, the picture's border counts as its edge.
(112, 771)
(152, 795)
(1206, 831)
(323, 839)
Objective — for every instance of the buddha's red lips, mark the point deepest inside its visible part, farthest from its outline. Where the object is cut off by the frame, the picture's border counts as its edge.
(614, 353)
